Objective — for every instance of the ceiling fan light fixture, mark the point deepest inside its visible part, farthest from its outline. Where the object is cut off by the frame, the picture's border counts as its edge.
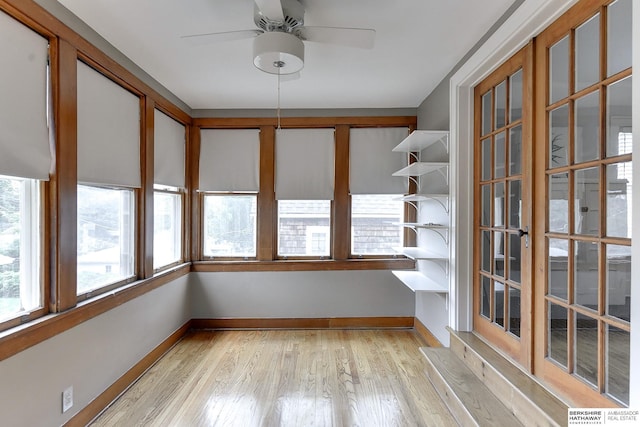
(278, 53)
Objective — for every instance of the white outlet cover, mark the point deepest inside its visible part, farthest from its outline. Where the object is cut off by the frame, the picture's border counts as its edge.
(67, 399)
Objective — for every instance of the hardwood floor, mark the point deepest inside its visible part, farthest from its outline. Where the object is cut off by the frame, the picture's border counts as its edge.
(285, 378)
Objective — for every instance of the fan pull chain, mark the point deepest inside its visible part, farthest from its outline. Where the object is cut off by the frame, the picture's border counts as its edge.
(278, 105)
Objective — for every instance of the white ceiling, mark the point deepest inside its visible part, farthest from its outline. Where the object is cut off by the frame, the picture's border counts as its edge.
(417, 43)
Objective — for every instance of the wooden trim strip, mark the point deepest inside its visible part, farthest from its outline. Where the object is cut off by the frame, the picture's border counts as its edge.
(304, 323)
(16, 340)
(304, 265)
(305, 122)
(105, 398)
(425, 334)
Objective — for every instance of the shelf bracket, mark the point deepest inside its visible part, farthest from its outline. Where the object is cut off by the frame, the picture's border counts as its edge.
(443, 234)
(444, 174)
(440, 202)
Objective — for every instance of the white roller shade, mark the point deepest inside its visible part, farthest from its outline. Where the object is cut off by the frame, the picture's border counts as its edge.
(229, 160)
(168, 150)
(371, 161)
(108, 131)
(24, 136)
(305, 163)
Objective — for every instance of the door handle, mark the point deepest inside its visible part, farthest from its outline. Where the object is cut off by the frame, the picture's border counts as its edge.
(524, 233)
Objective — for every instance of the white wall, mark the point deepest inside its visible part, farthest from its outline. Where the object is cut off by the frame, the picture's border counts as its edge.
(90, 357)
(299, 294)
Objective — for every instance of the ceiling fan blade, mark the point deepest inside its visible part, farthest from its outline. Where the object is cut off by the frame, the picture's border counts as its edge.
(271, 9)
(362, 38)
(201, 39)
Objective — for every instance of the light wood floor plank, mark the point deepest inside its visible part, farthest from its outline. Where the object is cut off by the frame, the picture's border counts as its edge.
(285, 378)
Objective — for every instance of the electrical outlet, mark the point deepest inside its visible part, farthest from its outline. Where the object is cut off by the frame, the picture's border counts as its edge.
(67, 399)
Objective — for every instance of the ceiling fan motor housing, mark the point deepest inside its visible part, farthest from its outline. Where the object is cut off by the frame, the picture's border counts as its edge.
(278, 53)
(293, 13)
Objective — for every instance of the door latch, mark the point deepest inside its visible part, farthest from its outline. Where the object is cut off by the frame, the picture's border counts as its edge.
(524, 233)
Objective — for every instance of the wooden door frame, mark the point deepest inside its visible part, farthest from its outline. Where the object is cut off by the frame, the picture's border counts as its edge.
(518, 349)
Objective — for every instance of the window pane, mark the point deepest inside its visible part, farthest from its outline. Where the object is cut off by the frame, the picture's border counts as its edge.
(105, 236)
(486, 159)
(586, 274)
(559, 70)
(515, 96)
(587, 194)
(559, 203)
(619, 282)
(486, 113)
(619, 208)
(498, 253)
(515, 150)
(559, 137)
(167, 228)
(499, 204)
(587, 128)
(498, 313)
(500, 155)
(485, 251)
(619, 36)
(515, 258)
(485, 301)
(558, 268)
(515, 203)
(19, 246)
(304, 228)
(501, 105)
(485, 205)
(372, 230)
(557, 334)
(617, 363)
(586, 348)
(230, 225)
(619, 124)
(587, 53)
(514, 311)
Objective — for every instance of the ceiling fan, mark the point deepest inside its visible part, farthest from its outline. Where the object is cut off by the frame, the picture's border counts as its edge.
(278, 47)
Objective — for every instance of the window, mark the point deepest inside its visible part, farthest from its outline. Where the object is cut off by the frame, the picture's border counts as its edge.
(106, 236)
(230, 225)
(167, 227)
(304, 228)
(20, 257)
(372, 224)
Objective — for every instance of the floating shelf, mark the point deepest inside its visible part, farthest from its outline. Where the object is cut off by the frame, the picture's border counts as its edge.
(418, 140)
(418, 282)
(422, 168)
(420, 225)
(439, 229)
(420, 253)
(441, 198)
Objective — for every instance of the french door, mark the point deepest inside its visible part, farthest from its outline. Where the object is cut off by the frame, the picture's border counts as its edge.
(553, 156)
(583, 231)
(502, 291)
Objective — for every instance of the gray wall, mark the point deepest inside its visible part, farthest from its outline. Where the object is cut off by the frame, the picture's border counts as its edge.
(433, 112)
(299, 294)
(90, 357)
